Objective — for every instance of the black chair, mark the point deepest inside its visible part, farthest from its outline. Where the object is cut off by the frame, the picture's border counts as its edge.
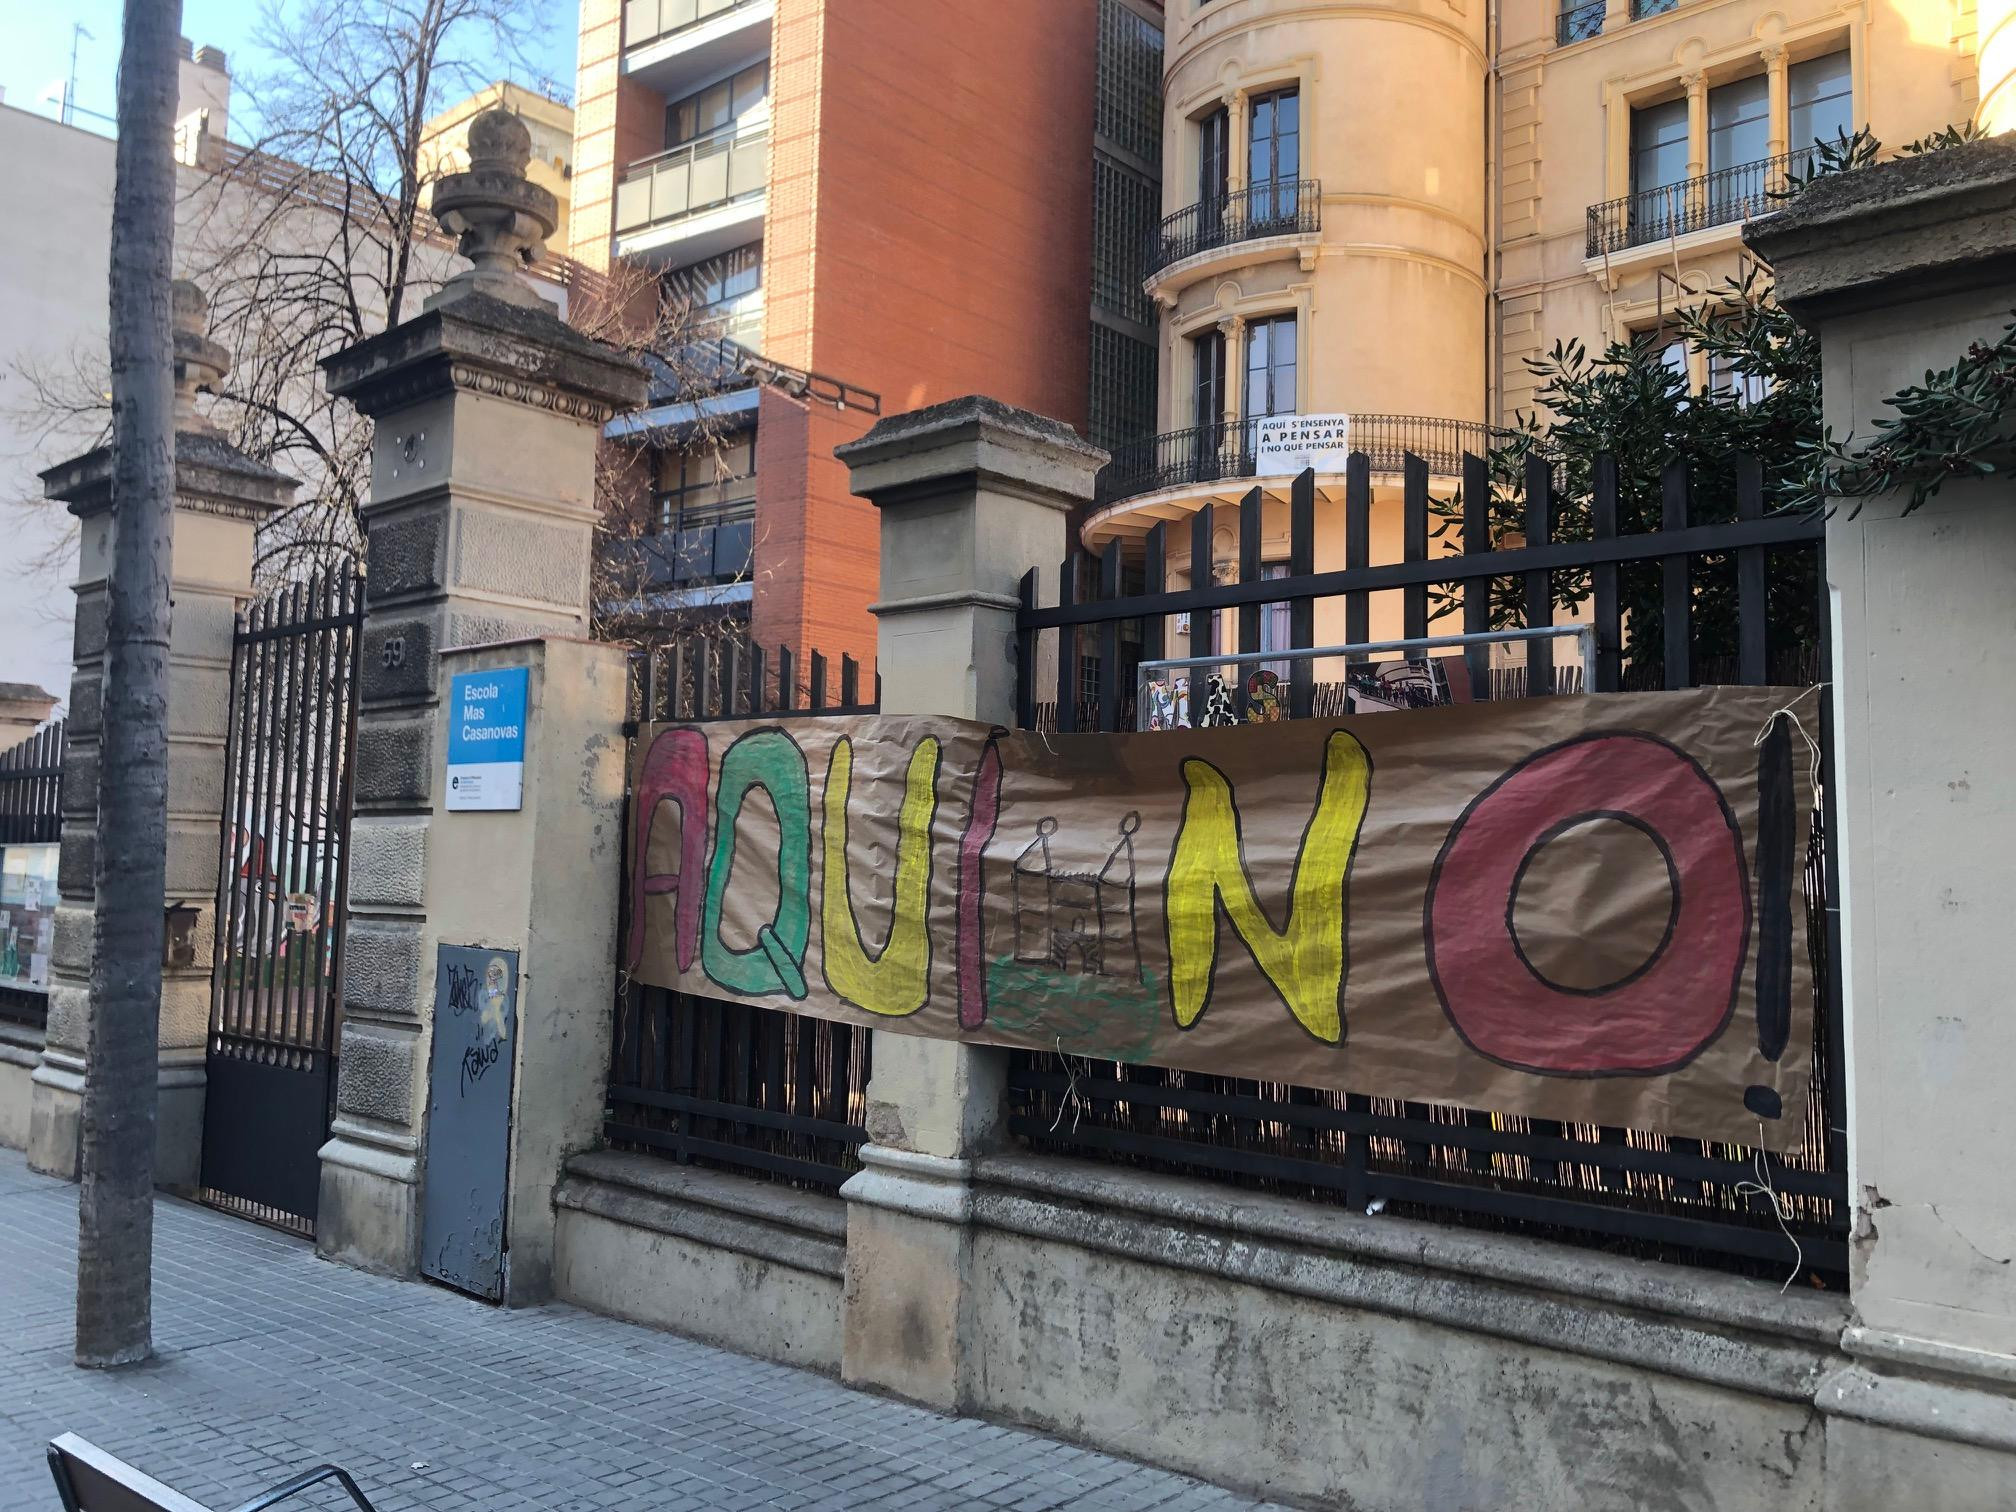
(90, 1480)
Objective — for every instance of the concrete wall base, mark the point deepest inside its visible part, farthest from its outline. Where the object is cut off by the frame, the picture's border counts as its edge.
(20, 1053)
(368, 1210)
(56, 1114)
(745, 1264)
(911, 1277)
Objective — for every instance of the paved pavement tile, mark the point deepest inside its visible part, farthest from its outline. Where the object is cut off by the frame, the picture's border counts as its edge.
(272, 1360)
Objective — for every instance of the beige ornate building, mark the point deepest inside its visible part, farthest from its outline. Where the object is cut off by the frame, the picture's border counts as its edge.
(1383, 208)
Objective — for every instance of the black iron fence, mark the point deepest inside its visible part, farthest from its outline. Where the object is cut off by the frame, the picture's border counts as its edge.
(704, 1081)
(1709, 588)
(1213, 453)
(31, 776)
(1279, 207)
(283, 884)
(1576, 22)
(1721, 198)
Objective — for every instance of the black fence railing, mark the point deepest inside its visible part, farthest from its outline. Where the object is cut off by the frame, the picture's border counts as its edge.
(1710, 589)
(1213, 453)
(1721, 198)
(703, 1081)
(1577, 22)
(31, 777)
(1641, 9)
(1281, 207)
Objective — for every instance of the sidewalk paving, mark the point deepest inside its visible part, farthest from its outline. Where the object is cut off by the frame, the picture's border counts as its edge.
(272, 1360)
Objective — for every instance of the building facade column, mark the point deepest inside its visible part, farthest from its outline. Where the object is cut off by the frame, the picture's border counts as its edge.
(1233, 329)
(1900, 268)
(1778, 80)
(487, 409)
(1238, 130)
(1697, 144)
(221, 497)
(971, 494)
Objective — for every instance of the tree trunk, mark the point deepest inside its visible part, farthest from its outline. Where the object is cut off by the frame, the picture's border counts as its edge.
(115, 1208)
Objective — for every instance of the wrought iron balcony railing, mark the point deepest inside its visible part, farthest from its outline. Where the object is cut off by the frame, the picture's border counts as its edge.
(1640, 9)
(1280, 208)
(646, 21)
(1577, 22)
(1714, 199)
(700, 176)
(1215, 453)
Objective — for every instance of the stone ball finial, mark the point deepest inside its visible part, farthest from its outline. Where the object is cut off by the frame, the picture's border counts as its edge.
(199, 362)
(498, 139)
(502, 218)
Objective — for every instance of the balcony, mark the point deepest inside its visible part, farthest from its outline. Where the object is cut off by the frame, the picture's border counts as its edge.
(698, 198)
(1726, 197)
(696, 555)
(1577, 23)
(1273, 209)
(1209, 454)
(675, 45)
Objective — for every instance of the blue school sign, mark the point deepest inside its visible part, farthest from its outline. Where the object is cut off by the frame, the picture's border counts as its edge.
(486, 739)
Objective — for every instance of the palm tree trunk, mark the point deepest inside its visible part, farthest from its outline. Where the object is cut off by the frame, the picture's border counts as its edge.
(115, 1209)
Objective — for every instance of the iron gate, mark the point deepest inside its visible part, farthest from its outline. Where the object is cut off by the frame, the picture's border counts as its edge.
(283, 873)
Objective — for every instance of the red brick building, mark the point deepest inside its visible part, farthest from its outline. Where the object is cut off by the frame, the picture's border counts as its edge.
(890, 197)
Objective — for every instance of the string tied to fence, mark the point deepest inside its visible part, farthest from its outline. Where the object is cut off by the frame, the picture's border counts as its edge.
(1791, 711)
(1780, 1208)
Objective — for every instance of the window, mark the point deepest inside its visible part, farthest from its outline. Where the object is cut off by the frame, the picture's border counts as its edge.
(1658, 164)
(723, 294)
(708, 485)
(1274, 632)
(1207, 384)
(1744, 388)
(1214, 145)
(1822, 102)
(1673, 356)
(1270, 367)
(1274, 153)
(718, 107)
(1122, 402)
(1739, 123)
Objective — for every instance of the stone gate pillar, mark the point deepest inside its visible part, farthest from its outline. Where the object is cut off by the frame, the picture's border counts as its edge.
(1899, 269)
(488, 408)
(221, 496)
(972, 494)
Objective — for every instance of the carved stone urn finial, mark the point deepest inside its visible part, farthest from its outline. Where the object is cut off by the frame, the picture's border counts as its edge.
(199, 361)
(502, 218)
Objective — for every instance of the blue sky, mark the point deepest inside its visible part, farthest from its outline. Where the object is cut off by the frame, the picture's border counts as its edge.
(35, 39)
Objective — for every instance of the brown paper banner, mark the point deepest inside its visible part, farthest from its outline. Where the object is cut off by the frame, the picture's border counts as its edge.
(1586, 909)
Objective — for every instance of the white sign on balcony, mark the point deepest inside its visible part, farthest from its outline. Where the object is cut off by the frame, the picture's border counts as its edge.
(1289, 443)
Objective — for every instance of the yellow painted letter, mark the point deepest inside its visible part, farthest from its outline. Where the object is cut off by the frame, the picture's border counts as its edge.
(895, 980)
(1306, 960)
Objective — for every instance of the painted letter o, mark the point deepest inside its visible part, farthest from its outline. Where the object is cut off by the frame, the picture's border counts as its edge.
(1659, 1017)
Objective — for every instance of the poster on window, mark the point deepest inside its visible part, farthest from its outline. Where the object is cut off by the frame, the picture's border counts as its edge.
(1576, 908)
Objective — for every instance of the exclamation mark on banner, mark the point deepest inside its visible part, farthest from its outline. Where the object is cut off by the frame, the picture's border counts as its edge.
(1777, 850)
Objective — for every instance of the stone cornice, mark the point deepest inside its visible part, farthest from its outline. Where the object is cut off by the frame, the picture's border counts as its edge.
(1933, 224)
(478, 344)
